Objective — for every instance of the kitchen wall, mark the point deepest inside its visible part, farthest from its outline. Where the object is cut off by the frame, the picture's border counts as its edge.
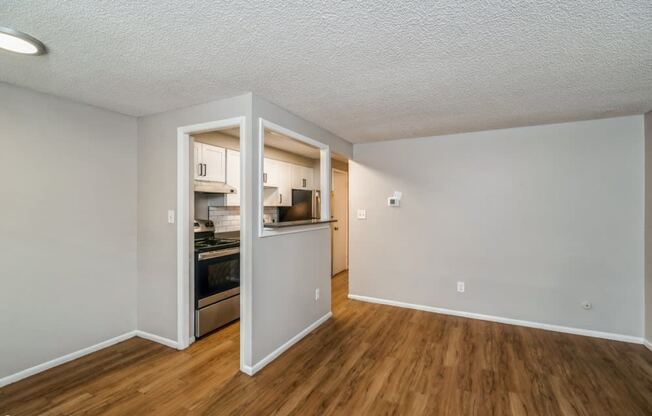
(534, 220)
(648, 227)
(288, 268)
(67, 227)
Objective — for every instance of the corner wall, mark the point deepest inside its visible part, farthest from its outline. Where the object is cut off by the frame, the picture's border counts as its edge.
(648, 229)
(288, 268)
(157, 193)
(67, 229)
(534, 220)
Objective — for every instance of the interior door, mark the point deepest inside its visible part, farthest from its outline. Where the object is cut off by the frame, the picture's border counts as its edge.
(340, 229)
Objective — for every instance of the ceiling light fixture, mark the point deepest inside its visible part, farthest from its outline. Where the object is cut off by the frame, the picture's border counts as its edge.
(19, 42)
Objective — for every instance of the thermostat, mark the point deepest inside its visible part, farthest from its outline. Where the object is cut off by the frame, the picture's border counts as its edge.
(395, 200)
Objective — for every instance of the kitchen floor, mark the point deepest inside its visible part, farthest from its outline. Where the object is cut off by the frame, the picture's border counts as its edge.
(368, 359)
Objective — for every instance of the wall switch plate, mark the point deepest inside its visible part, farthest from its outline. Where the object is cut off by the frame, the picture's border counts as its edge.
(170, 216)
(460, 287)
(362, 214)
(316, 294)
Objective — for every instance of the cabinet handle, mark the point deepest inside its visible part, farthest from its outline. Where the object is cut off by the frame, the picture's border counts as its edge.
(204, 168)
(304, 182)
(264, 178)
(280, 198)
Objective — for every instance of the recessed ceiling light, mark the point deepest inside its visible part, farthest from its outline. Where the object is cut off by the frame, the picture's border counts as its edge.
(19, 42)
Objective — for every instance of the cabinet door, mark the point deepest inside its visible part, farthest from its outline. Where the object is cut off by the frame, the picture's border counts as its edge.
(284, 175)
(214, 160)
(301, 177)
(233, 176)
(307, 176)
(197, 161)
(270, 173)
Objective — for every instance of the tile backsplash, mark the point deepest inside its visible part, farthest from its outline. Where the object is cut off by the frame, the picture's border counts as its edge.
(228, 218)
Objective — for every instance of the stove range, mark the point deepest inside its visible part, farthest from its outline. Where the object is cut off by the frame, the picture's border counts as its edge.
(217, 279)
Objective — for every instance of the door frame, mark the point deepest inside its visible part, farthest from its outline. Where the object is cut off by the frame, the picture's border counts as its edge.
(346, 219)
(185, 257)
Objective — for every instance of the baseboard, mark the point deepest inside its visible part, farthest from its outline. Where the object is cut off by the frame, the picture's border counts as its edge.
(156, 338)
(529, 324)
(647, 344)
(12, 378)
(280, 350)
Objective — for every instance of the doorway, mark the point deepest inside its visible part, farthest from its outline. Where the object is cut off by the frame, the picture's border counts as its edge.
(202, 169)
(340, 229)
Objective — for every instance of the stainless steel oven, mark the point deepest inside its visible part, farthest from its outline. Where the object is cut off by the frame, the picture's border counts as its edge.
(217, 281)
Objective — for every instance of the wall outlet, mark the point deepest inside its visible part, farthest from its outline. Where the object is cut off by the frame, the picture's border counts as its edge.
(316, 294)
(170, 216)
(460, 287)
(362, 214)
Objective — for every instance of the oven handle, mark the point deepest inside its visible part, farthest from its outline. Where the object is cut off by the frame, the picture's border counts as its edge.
(216, 254)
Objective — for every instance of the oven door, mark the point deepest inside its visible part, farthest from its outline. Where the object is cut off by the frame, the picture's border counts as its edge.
(217, 276)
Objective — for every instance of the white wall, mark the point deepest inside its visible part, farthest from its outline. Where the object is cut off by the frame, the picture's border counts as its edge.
(535, 220)
(648, 227)
(157, 193)
(288, 268)
(285, 268)
(67, 227)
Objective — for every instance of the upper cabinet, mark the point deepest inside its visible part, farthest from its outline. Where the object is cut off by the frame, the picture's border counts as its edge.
(210, 163)
(270, 173)
(284, 171)
(301, 177)
(233, 177)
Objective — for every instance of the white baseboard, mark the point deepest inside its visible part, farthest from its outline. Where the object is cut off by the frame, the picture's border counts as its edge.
(529, 324)
(64, 359)
(12, 378)
(156, 338)
(280, 350)
(647, 344)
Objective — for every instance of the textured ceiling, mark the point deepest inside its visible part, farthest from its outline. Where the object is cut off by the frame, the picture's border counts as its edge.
(364, 70)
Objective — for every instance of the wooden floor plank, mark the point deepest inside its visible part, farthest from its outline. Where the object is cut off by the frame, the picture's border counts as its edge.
(368, 359)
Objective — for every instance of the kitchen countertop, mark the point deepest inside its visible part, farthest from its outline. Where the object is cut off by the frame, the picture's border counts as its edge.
(296, 223)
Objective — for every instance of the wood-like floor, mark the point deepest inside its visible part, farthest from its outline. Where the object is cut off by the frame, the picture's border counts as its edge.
(368, 359)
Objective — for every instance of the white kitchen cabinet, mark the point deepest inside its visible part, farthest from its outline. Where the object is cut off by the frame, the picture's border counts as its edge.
(233, 177)
(277, 183)
(284, 173)
(302, 177)
(210, 163)
(270, 173)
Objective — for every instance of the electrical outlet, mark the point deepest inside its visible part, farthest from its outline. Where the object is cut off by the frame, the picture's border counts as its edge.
(460, 287)
(316, 294)
(362, 214)
(171, 216)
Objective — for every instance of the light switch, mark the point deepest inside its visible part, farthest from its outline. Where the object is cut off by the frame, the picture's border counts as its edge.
(362, 214)
(170, 216)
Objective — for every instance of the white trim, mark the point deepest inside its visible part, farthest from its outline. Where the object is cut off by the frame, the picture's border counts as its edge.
(324, 169)
(12, 378)
(185, 257)
(280, 350)
(158, 339)
(647, 344)
(509, 321)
